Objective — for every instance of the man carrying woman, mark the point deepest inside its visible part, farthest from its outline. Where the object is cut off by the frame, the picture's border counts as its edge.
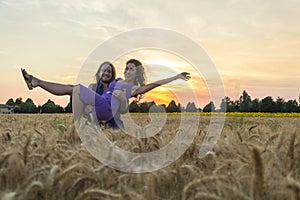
(114, 99)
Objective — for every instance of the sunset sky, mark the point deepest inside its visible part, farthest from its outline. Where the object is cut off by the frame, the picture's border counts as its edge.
(254, 45)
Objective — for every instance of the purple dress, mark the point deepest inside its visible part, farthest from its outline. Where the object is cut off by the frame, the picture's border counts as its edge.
(106, 105)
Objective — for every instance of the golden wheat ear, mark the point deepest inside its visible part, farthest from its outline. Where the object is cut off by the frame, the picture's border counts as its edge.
(27, 79)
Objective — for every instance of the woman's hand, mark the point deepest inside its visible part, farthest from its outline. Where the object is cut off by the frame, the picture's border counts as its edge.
(184, 75)
(88, 109)
(119, 94)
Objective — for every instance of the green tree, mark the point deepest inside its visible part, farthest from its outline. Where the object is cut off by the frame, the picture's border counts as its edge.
(210, 107)
(17, 109)
(10, 102)
(17, 106)
(255, 105)
(267, 104)
(29, 107)
(180, 108)
(245, 102)
(144, 107)
(279, 104)
(227, 105)
(157, 108)
(18, 101)
(172, 107)
(134, 107)
(51, 107)
(68, 108)
(291, 106)
(223, 105)
(236, 104)
(191, 107)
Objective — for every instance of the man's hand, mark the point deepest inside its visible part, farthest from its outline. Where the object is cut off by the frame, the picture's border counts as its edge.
(121, 95)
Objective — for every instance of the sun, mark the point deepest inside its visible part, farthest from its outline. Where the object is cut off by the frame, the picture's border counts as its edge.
(160, 64)
(163, 62)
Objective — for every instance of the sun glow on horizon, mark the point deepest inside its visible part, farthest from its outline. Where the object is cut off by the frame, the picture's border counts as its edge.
(161, 64)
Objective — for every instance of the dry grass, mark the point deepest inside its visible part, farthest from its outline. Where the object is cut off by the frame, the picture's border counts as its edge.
(41, 157)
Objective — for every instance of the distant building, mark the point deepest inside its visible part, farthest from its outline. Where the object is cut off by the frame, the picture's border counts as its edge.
(6, 109)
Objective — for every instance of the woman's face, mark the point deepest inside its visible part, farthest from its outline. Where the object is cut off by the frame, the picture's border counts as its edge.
(130, 73)
(105, 73)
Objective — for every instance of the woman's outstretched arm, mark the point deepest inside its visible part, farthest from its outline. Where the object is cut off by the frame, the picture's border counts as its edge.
(146, 88)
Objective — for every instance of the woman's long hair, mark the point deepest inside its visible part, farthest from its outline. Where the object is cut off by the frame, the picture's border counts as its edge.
(141, 76)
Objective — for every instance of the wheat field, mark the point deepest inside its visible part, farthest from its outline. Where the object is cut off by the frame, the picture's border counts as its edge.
(42, 157)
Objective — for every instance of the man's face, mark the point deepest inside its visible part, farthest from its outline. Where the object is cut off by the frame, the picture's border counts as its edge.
(105, 73)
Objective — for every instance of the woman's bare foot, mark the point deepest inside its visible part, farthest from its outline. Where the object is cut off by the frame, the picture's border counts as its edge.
(30, 80)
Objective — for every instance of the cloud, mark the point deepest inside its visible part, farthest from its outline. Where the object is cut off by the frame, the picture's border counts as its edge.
(254, 43)
(21, 4)
(67, 78)
(3, 52)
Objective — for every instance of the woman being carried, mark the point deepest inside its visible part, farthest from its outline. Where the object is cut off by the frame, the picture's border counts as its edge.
(114, 99)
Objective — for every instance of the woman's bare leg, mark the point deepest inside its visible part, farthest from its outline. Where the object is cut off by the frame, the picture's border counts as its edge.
(77, 104)
(59, 89)
(53, 88)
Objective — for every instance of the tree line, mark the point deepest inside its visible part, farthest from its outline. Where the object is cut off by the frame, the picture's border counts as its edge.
(28, 106)
(267, 104)
(243, 104)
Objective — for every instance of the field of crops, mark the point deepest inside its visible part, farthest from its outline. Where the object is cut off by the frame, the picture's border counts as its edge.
(256, 157)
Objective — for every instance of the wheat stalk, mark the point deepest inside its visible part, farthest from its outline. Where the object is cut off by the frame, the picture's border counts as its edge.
(294, 186)
(79, 185)
(252, 127)
(291, 153)
(199, 182)
(34, 189)
(258, 180)
(96, 194)
(25, 149)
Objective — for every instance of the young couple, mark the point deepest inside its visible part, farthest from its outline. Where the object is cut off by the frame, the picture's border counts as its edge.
(109, 96)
